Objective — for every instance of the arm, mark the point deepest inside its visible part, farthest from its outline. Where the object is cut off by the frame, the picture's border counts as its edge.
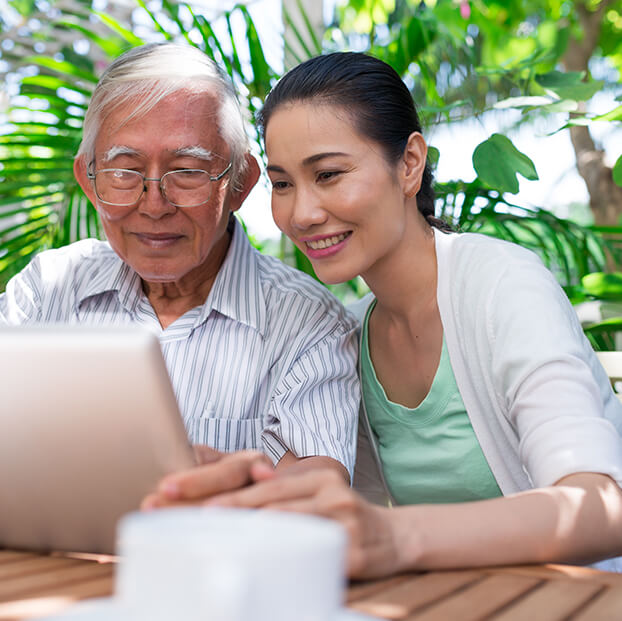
(579, 519)
(21, 303)
(312, 424)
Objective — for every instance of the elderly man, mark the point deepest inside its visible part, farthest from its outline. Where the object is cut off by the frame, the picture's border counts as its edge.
(261, 357)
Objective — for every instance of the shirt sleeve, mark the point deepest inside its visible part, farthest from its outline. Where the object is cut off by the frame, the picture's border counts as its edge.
(314, 409)
(555, 392)
(21, 302)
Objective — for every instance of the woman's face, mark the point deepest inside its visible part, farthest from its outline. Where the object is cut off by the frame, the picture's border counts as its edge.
(333, 191)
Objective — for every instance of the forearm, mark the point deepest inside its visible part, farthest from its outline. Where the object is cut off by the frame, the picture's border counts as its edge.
(579, 520)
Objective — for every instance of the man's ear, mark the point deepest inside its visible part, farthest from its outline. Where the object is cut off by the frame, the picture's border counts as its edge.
(246, 184)
(414, 160)
(79, 171)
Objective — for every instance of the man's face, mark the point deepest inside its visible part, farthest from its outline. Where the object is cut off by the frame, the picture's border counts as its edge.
(160, 241)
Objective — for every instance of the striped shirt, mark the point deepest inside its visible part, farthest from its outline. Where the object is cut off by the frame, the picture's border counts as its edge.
(268, 362)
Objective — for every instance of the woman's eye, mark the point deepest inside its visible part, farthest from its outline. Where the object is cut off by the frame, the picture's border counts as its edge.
(327, 175)
(279, 185)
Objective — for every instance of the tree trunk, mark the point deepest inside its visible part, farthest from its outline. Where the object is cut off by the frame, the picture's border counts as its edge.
(605, 195)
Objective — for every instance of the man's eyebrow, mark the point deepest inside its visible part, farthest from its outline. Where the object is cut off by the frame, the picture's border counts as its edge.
(117, 150)
(195, 151)
(312, 159)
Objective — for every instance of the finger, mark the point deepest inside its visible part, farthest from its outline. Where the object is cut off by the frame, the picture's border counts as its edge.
(156, 501)
(229, 473)
(261, 471)
(276, 488)
(205, 454)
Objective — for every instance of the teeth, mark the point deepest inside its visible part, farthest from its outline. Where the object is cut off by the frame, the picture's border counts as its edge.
(326, 242)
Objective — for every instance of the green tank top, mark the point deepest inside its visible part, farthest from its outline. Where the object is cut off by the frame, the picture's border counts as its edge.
(430, 453)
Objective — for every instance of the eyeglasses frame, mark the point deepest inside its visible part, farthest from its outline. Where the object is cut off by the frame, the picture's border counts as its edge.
(212, 178)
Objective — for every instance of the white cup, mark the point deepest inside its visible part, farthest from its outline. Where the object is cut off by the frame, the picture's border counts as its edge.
(205, 564)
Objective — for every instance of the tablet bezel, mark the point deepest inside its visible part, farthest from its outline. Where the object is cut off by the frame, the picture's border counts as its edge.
(89, 424)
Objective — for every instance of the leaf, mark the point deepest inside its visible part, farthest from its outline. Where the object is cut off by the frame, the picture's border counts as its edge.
(433, 156)
(497, 162)
(522, 102)
(612, 115)
(608, 325)
(563, 105)
(61, 67)
(112, 47)
(603, 285)
(569, 85)
(23, 7)
(617, 171)
(115, 26)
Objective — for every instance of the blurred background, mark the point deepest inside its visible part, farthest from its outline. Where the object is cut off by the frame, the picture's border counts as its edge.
(520, 100)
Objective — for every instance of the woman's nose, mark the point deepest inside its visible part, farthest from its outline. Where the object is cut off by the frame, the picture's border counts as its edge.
(308, 210)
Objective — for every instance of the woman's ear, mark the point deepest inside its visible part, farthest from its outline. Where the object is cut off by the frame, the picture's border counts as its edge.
(414, 159)
(251, 176)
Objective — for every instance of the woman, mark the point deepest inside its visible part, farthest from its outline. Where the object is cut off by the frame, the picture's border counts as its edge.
(496, 427)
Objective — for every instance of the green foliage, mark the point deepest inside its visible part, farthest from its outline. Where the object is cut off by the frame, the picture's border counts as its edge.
(503, 54)
(569, 250)
(569, 85)
(41, 205)
(617, 171)
(605, 286)
(497, 162)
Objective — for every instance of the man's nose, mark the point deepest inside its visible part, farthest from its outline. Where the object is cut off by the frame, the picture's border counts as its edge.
(153, 203)
(308, 209)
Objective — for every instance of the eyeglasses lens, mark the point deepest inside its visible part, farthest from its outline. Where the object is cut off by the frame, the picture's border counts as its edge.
(182, 188)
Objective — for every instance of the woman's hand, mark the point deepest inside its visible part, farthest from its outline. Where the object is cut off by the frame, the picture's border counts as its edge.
(374, 548)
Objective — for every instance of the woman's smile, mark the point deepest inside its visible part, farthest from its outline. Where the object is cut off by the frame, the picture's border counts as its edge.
(320, 246)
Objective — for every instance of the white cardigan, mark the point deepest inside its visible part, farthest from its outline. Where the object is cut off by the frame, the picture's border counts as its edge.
(540, 403)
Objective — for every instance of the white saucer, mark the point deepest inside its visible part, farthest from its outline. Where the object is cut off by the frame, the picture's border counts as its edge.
(109, 609)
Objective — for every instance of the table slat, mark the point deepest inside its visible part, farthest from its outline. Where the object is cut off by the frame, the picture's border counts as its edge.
(562, 572)
(24, 566)
(607, 606)
(55, 599)
(361, 590)
(554, 600)
(398, 601)
(480, 600)
(9, 556)
(21, 586)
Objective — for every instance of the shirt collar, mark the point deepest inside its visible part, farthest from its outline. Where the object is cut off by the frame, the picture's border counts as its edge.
(112, 274)
(237, 291)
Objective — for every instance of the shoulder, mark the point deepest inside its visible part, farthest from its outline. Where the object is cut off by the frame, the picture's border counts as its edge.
(475, 265)
(287, 289)
(62, 263)
(464, 250)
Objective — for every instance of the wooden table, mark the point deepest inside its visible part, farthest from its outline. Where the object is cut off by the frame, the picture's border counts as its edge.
(34, 585)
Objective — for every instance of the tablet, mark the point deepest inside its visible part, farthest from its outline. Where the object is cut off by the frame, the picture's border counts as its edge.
(88, 425)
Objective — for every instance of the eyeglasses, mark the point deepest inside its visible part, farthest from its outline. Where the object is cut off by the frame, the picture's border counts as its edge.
(120, 187)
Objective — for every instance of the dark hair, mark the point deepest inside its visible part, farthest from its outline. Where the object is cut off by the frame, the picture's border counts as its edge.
(374, 95)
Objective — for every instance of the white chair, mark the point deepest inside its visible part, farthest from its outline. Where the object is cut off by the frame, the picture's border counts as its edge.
(612, 363)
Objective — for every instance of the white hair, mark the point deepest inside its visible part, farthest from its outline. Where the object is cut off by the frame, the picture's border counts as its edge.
(148, 74)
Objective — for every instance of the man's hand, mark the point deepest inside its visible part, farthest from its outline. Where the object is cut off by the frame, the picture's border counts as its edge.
(216, 474)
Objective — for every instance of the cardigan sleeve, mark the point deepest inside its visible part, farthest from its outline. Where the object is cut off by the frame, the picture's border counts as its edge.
(551, 386)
